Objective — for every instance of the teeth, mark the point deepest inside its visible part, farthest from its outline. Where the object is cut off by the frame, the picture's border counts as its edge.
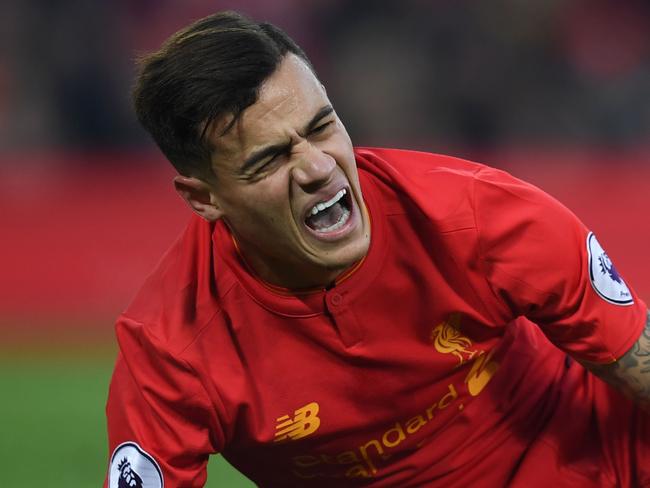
(337, 225)
(319, 207)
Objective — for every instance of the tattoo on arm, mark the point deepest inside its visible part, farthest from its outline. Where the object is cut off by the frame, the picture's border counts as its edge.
(631, 373)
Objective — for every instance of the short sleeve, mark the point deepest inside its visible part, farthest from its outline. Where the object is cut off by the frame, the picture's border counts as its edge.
(543, 263)
(161, 425)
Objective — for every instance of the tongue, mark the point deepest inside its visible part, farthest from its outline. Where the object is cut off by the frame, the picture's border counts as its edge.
(326, 218)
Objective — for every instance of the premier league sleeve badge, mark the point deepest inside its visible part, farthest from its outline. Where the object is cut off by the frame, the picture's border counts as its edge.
(604, 277)
(132, 467)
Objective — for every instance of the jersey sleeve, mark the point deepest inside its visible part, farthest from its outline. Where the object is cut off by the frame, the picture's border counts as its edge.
(161, 423)
(543, 263)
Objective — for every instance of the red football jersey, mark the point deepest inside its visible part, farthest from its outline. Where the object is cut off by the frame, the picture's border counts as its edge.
(439, 360)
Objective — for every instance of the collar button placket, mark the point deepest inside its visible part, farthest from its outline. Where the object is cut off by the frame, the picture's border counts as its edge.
(343, 320)
(335, 299)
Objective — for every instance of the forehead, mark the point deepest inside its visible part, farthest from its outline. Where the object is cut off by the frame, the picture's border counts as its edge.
(287, 100)
(291, 85)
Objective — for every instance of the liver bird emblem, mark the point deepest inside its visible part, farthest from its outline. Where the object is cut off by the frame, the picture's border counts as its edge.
(447, 339)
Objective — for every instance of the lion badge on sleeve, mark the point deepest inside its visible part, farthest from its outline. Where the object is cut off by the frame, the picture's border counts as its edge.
(132, 467)
(605, 278)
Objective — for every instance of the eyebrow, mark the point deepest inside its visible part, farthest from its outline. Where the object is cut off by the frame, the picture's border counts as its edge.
(267, 151)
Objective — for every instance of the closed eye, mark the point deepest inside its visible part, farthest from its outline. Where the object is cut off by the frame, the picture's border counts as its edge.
(320, 128)
(270, 162)
(266, 164)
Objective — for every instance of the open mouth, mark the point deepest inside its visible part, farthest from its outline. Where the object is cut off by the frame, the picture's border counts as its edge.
(330, 216)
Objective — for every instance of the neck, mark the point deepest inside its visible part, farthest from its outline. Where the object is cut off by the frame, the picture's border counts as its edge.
(299, 277)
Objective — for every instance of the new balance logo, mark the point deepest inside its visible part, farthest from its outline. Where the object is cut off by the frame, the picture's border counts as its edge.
(305, 421)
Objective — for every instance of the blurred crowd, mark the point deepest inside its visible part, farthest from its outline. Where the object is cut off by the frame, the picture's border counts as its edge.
(436, 74)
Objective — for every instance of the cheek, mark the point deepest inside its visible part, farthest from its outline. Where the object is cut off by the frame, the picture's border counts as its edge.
(342, 131)
(344, 157)
(339, 146)
(265, 204)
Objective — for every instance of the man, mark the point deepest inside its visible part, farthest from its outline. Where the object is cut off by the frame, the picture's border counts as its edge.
(360, 317)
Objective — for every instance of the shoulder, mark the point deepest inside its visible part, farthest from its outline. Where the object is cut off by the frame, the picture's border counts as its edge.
(178, 298)
(510, 211)
(413, 165)
(454, 194)
(418, 173)
(440, 187)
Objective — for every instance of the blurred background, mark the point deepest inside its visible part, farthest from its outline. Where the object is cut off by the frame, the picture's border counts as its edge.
(557, 92)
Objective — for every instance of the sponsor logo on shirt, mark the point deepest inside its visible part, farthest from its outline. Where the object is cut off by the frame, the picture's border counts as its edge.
(133, 467)
(605, 278)
(304, 422)
(365, 460)
(481, 373)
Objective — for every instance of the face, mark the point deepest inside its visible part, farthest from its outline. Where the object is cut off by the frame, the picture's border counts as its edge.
(286, 183)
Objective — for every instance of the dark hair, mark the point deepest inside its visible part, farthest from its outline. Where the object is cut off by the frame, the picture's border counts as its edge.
(212, 68)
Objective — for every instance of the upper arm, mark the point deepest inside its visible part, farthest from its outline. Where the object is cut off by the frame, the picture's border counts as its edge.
(160, 421)
(542, 262)
(631, 372)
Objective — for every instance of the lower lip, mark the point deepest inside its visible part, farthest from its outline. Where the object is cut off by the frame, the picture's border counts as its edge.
(342, 231)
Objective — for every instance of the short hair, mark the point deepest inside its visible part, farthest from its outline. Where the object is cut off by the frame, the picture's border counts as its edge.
(212, 68)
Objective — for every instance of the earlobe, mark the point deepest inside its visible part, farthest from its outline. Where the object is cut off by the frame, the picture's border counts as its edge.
(198, 196)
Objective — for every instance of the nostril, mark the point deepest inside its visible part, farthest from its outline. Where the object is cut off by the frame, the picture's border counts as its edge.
(314, 186)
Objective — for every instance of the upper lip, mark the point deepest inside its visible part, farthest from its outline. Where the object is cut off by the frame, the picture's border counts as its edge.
(323, 195)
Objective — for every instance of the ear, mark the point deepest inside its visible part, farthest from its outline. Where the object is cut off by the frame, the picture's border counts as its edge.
(199, 196)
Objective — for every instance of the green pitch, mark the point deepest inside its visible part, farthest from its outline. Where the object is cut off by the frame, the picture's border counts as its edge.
(52, 428)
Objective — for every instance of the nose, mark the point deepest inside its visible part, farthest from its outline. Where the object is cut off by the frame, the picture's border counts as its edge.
(314, 169)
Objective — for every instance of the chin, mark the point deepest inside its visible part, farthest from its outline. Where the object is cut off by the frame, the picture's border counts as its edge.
(346, 257)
